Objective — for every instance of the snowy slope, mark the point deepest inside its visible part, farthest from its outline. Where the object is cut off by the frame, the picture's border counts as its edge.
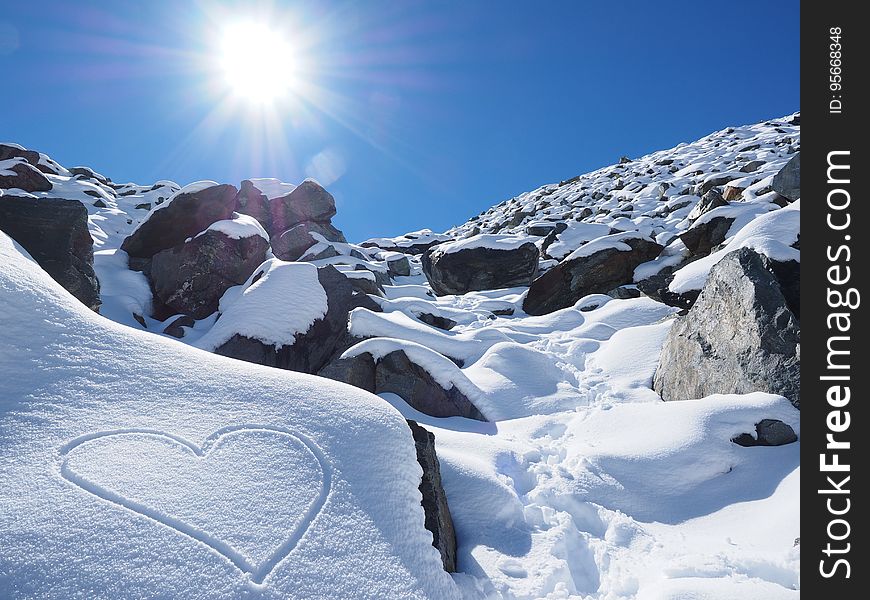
(135, 466)
(583, 485)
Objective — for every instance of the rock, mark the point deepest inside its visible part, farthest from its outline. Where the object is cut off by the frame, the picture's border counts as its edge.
(435, 509)
(8, 151)
(366, 286)
(752, 166)
(308, 202)
(191, 277)
(702, 188)
(710, 200)
(624, 292)
(396, 373)
(311, 350)
(544, 229)
(597, 273)
(184, 217)
(23, 176)
(319, 252)
(87, 173)
(787, 182)
(55, 233)
(358, 371)
(740, 336)
(701, 239)
(732, 192)
(657, 288)
(437, 321)
(252, 202)
(398, 266)
(768, 432)
(143, 206)
(480, 268)
(292, 244)
(176, 327)
(100, 204)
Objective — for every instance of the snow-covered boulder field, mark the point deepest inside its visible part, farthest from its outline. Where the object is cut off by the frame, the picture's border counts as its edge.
(590, 390)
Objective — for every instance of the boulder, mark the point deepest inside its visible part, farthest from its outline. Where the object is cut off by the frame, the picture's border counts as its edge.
(396, 373)
(176, 327)
(21, 175)
(182, 217)
(593, 272)
(55, 233)
(702, 188)
(657, 288)
(479, 268)
(437, 513)
(437, 321)
(398, 265)
(358, 371)
(710, 200)
(8, 151)
(702, 238)
(308, 202)
(312, 349)
(739, 336)
(752, 166)
(292, 244)
(768, 432)
(787, 182)
(252, 202)
(191, 277)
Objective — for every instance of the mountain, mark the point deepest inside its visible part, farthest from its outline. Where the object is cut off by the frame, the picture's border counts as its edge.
(207, 389)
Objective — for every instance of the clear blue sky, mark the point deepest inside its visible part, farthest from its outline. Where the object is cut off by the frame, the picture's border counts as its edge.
(427, 112)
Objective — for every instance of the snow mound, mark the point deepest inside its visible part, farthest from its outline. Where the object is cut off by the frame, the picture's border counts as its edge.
(489, 241)
(272, 188)
(240, 226)
(146, 468)
(277, 302)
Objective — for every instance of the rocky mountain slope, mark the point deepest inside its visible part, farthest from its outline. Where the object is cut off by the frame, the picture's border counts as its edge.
(535, 341)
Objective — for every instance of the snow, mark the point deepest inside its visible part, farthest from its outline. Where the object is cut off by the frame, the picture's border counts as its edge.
(136, 466)
(575, 235)
(489, 241)
(277, 302)
(240, 226)
(272, 188)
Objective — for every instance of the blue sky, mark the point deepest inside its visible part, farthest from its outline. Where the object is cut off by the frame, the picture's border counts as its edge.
(423, 113)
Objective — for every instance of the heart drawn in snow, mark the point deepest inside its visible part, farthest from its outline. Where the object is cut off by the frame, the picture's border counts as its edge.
(248, 492)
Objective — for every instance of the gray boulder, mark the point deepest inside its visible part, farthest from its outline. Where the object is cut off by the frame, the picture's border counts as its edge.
(396, 373)
(437, 513)
(308, 202)
(191, 277)
(399, 266)
(702, 238)
(187, 215)
(292, 244)
(768, 432)
(710, 200)
(597, 273)
(740, 336)
(55, 233)
(480, 268)
(787, 182)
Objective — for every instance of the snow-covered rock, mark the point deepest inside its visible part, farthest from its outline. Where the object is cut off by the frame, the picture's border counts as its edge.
(481, 262)
(595, 268)
(191, 278)
(740, 336)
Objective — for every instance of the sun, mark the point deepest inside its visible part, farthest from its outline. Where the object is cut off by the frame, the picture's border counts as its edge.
(258, 63)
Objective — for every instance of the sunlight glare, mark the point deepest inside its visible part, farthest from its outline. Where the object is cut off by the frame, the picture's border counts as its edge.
(259, 64)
